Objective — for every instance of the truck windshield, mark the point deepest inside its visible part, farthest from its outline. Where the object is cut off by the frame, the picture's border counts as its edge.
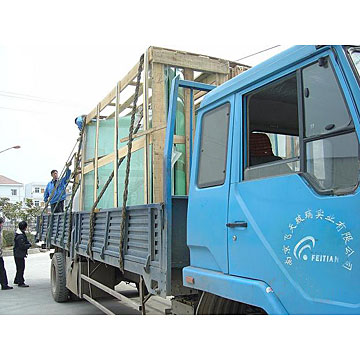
(355, 57)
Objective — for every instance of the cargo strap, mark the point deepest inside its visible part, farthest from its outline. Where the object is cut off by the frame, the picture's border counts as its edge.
(93, 209)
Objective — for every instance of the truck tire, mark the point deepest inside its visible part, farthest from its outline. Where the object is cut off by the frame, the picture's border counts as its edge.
(59, 291)
(211, 304)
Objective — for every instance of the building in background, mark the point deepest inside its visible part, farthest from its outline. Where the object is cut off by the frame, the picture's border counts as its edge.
(35, 192)
(11, 189)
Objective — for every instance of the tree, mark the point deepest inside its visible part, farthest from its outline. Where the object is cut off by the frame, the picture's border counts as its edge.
(31, 212)
(11, 211)
(17, 212)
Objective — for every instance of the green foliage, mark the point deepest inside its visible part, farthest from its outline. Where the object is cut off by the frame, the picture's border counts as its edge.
(8, 238)
(31, 212)
(17, 212)
(13, 212)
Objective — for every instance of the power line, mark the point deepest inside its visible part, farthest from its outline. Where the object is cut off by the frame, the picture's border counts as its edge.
(35, 98)
(8, 108)
(9, 93)
(29, 99)
(259, 52)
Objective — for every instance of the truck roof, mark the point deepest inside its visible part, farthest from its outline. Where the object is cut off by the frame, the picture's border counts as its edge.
(269, 67)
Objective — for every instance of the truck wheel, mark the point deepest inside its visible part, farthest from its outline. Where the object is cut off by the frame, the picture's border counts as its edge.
(59, 290)
(211, 304)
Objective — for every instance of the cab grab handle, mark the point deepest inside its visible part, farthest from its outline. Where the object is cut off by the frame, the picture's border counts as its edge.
(237, 224)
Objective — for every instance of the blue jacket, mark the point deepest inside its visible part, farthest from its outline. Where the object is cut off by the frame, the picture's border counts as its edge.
(60, 189)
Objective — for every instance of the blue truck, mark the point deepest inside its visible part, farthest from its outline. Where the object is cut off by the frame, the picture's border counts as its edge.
(268, 226)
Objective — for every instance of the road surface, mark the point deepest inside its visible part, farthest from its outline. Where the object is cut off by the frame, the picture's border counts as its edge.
(37, 299)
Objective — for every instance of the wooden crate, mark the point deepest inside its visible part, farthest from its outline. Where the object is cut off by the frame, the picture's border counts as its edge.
(118, 103)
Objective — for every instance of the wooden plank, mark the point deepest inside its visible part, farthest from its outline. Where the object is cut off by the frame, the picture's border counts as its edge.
(179, 139)
(116, 136)
(137, 144)
(158, 137)
(145, 127)
(188, 60)
(96, 151)
(221, 78)
(188, 75)
(142, 133)
(127, 103)
(103, 103)
(128, 78)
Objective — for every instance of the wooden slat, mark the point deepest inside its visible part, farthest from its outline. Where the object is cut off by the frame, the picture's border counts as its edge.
(142, 133)
(116, 136)
(145, 127)
(158, 137)
(96, 151)
(128, 78)
(127, 103)
(188, 60)
(107, 99)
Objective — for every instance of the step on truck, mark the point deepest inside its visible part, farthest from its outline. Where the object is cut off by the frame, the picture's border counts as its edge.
(242, 202)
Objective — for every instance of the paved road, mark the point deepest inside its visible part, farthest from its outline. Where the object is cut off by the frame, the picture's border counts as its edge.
(37, 299)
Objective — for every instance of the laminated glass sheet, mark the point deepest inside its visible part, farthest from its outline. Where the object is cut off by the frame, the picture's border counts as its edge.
(105, 147)
(136, 178)
(90, 140)
(88, 190)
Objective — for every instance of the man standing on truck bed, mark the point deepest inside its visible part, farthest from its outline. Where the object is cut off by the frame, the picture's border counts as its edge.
(59, 196)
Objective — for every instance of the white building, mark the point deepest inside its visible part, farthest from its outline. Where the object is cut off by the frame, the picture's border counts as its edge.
(35, 192)
(11, 189)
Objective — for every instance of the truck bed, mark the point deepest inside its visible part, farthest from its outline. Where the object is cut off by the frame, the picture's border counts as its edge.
(146, 245)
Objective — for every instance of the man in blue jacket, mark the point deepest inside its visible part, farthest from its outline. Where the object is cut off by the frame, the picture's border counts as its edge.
(60, 191)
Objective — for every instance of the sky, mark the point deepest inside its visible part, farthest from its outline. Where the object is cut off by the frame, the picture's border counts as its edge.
(59, 59)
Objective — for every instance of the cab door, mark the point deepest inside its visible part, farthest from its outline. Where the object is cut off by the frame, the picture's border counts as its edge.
(294, 188)
(209, 187)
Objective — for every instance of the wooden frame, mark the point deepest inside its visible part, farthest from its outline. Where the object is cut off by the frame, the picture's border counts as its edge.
(156, 60)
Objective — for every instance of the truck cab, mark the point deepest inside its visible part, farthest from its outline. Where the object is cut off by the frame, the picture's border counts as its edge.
(274, 181)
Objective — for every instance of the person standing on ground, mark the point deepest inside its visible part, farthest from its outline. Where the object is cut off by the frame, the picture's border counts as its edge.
(59, 195)
(3, 276)
(21, 246)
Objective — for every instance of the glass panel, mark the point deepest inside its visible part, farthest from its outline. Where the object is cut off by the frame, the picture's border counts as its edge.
(324, 106)
(136, 180)
(213, 148)
(88, 190)
(105, 147)
(333, 162)
(273, 129)
(90, 140)
(136, 177)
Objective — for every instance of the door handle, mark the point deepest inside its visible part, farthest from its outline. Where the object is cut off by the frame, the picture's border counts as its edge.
(242, 224)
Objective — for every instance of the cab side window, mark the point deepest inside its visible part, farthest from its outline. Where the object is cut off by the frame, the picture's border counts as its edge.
(213, 147)
(272, 130)
(301, 123)
(330, 143)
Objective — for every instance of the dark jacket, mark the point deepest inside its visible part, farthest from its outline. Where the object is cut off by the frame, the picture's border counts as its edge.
(21, 244)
